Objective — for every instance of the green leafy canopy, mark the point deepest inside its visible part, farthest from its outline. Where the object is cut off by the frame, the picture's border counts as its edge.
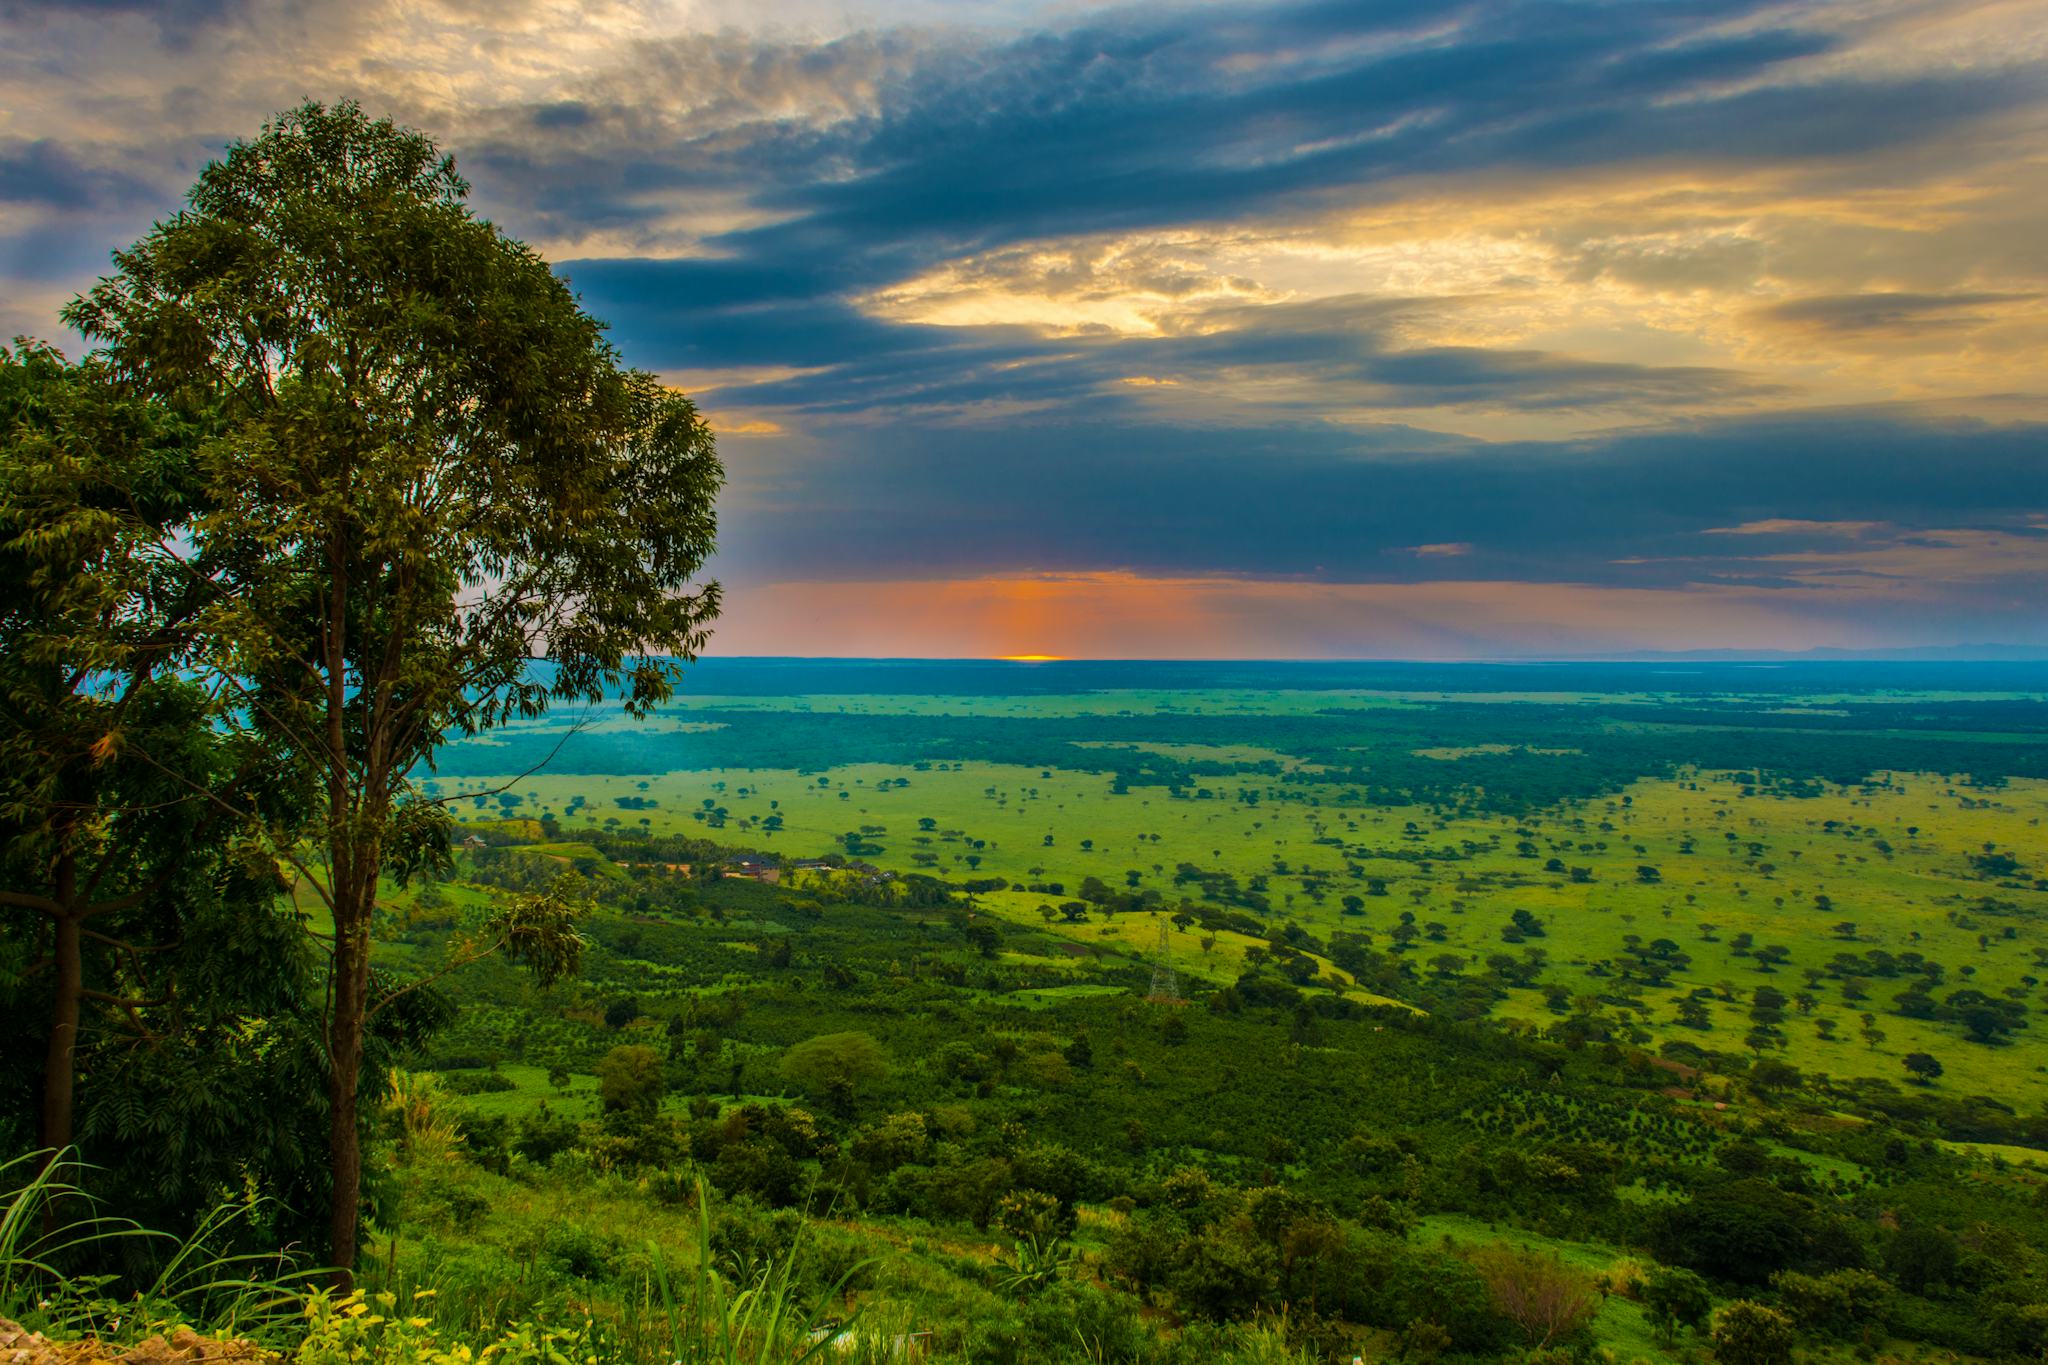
(412, 406)
(423, 468)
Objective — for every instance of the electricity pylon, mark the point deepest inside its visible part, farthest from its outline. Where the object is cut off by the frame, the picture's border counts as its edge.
(1165, 986)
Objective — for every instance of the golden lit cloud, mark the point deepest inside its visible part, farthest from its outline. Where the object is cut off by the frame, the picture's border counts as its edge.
(1125, 287)
(1841, 290)
(1771, 526)
(1881, 561)
(744, 427)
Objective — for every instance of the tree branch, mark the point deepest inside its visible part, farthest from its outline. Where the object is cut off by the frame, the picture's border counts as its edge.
(457, 965)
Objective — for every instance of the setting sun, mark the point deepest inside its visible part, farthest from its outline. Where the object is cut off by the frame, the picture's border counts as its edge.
(1031, 658)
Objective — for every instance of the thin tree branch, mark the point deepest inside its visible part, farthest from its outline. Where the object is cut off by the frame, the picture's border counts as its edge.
(409, 987)
(582, 722)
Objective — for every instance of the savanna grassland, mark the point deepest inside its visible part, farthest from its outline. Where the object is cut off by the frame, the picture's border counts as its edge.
(1560, 1015)
(1418, 821)
(1588, 1013)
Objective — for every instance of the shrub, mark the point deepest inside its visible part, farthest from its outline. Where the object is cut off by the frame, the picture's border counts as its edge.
(578, 1252)
(630, 1082)
(1673, 1299)
(2019, 1329)
(1837, 1304)
(1747, 1333)
(543, 1136)
(1444, 1291)
(1546, 1300)
(1955, 1326)
(366, 1330)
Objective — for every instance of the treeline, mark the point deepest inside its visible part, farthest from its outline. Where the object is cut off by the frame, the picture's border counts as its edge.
(1702, 683)
(1564, 753)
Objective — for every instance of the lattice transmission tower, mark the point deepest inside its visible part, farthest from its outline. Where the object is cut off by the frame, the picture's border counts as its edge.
(1165, 985)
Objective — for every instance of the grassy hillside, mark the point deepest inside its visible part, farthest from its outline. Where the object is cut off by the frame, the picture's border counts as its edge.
(1525, 995)
(1718, 863)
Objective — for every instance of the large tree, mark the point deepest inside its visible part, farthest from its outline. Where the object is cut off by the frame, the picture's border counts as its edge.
(437, 500)
(96, 731)
(159, 990)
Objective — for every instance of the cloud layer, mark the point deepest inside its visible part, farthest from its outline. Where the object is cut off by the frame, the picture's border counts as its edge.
(1317, 327)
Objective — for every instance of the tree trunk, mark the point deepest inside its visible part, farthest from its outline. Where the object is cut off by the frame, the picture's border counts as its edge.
(59, 1067)
(345, 1049)
(350, 896)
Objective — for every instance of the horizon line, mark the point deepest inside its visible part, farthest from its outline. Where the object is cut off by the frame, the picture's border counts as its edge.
(1982, 654)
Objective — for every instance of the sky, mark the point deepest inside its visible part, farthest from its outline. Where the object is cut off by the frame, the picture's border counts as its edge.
(1306, 329)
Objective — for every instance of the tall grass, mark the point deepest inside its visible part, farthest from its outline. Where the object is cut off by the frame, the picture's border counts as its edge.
(58, 1275)
(691, 1304)
(66, 1267)
(719, 1323)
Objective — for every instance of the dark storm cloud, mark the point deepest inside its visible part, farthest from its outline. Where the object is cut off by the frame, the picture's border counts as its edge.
(674, 314)
(683, 314)
(46, 174)
(178, 22)
(1887, 311)
(1536, 380)
(1158, 117)
(1350, 504)
(1148, 121)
